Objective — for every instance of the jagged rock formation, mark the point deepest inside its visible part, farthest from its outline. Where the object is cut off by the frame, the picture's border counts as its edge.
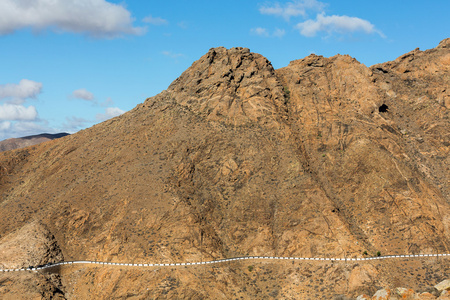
(325, 157)
(17, 143)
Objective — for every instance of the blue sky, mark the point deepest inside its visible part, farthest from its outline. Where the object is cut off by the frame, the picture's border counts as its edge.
(68, 64)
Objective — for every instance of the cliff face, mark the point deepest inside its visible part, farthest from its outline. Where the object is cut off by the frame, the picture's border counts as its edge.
(323, 158)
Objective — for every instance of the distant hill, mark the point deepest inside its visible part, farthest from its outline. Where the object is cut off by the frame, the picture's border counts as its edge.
(325, 157)
(22, 142)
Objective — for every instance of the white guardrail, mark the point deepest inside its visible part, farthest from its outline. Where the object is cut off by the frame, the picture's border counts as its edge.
(52, 265)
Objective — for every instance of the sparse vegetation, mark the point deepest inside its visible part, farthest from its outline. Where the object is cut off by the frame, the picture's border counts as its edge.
(287, 94)
(250, 268)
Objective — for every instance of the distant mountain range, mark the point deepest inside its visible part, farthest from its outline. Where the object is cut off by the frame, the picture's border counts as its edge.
(16, 143)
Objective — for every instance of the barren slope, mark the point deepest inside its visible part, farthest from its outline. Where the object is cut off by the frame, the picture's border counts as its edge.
(236, 158)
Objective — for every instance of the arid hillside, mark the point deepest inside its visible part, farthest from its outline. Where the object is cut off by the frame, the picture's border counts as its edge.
(323, 158)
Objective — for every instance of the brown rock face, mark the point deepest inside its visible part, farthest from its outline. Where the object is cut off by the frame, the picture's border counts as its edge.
(323, 158)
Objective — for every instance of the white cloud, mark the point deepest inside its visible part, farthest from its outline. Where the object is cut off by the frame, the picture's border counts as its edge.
(21, 129)
(172, 54)
(155, 21)
(83, 94)
(19, 92)
(110, 112)
(183, 25)
(97, 18)
(107, 102)
(17, 112)
(73, 124)
(338, 24)
(260, 31)
(5, 125)
(292, 9)
(279, 33)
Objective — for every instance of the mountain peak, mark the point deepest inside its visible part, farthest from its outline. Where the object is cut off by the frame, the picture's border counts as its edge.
(234, 86)
(445, 43)
(357, 168)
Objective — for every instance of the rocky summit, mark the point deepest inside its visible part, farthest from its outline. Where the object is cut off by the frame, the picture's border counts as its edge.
(324, 158)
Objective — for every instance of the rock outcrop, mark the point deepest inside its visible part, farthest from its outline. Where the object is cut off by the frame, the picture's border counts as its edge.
(323, 158)
(440, 291)
(31, 245)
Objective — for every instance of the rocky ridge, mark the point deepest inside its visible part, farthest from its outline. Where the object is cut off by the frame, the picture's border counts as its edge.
(323, 158)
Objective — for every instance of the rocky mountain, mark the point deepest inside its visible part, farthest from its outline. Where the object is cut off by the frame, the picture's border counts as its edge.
(16, 143)
(323, 158)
